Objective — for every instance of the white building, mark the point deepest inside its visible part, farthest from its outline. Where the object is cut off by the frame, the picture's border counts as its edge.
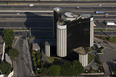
(62, 40)
(83, 59)
(35, 47)
(2, 48)
(47, 49)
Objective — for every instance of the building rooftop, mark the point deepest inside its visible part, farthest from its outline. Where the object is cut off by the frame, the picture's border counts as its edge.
(68, 14)
(36, 46)
(80, 50)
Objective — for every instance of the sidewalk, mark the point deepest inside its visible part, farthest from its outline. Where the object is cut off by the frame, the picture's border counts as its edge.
(15, 68)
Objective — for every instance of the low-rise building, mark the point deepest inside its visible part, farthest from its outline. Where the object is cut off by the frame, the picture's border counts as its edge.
(35, 47)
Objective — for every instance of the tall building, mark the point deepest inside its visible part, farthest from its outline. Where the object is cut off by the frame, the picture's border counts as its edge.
(72, 31)
(61, 39)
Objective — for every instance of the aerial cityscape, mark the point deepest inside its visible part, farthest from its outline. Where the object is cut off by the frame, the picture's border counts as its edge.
(57, 38)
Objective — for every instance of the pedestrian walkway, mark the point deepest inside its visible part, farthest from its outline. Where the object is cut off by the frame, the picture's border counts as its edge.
(15, 68)
(106, 69)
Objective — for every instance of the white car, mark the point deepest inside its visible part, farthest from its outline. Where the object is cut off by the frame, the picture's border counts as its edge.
(100, 4)
(18, 13)
(31, 4)
(77, 7)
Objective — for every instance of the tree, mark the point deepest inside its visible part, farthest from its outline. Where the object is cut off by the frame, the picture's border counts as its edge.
(13, 53)
(8, 37)
(34, 59)
(54, 70)
(44, 71)
(87, 49)
(78, 68)
(5, 67)
(38, 54)
(67, 69)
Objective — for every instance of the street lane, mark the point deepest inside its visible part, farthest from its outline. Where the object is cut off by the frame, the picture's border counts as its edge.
(23, 67)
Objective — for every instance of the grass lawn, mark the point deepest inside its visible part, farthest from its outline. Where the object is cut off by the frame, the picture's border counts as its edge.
(3, 3)
(54, 60)
(111, 39)
(90, 58)
(93, 71)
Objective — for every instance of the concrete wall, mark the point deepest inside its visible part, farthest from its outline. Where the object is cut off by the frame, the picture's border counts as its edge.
(62, 40)
(83, 59)
(3, 51)
(91, 32)
(7, 58)
(2, 75)
(47, 49)
(11, 74)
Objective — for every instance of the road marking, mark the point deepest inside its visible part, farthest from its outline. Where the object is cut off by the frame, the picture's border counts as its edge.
(26, 11)
(17, 38)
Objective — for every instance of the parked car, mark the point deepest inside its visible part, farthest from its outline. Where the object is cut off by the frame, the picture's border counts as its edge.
(100, 5)
(99, 12)
(31, 4)
(106, 15)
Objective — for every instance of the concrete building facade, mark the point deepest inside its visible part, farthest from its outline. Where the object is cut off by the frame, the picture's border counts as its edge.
(47, 49)
(72, 31)
(83, 59)
(62, 40)
(91, 32)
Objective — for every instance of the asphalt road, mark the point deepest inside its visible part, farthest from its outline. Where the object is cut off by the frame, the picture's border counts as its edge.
(23, 62)
(26, 19)
(108, 56)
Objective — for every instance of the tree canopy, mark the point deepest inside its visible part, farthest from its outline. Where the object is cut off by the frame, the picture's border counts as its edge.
(54, 70)
(78, 68)
(13, 53)
(67, 69)
(5, 67)
(8, 37)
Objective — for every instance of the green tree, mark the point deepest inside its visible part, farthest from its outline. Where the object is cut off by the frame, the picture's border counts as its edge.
(5, 67)
(8, 37)
(38, 60)
(87, 49)
(54, 70)
(34, 59)
(38, 54)
(67, 69)
(78, 68)
(33, 53)
(13, 53)
(44, 71)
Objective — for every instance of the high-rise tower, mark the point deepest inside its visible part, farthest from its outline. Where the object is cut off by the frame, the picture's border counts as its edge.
(72, 31)
(61, 39)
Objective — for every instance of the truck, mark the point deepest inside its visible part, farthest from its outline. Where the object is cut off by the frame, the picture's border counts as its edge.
(110, 24)
(99, 12)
